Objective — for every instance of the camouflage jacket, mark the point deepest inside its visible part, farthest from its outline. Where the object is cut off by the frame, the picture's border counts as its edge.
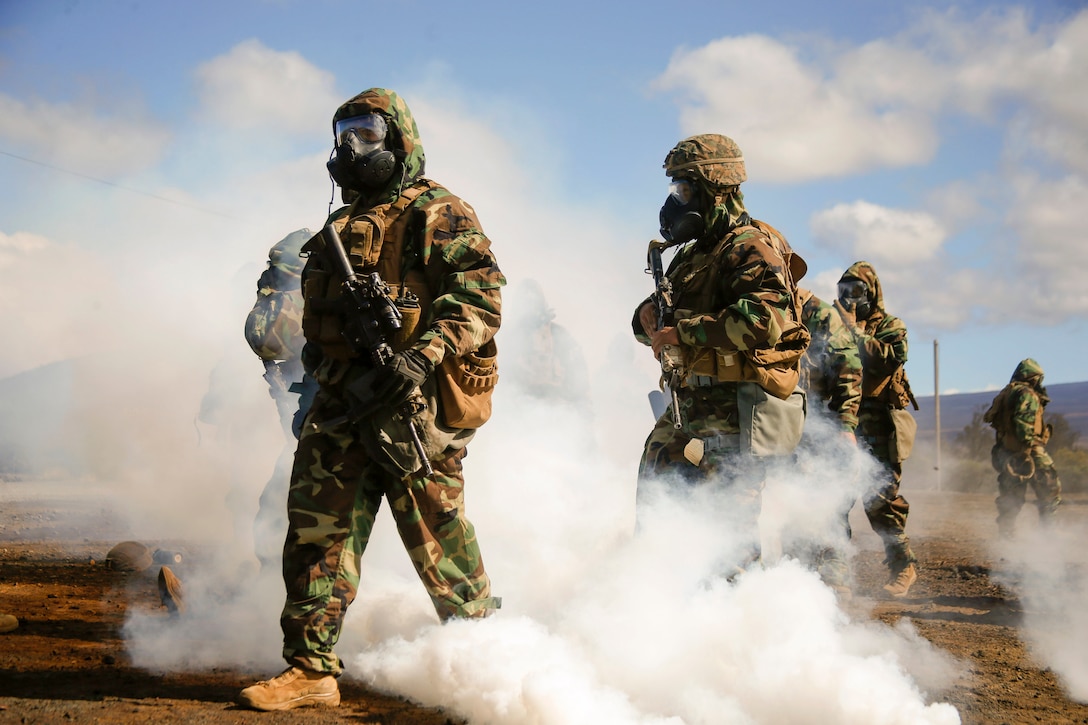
(1018, 424)
(422, 238)
(882, 343)
(1016, 413)
(831, 367)
(750, 287)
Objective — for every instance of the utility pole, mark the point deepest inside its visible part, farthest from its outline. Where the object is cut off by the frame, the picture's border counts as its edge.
(937, 406)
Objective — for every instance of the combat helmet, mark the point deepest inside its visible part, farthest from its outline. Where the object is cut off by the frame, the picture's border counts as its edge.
(714, 158)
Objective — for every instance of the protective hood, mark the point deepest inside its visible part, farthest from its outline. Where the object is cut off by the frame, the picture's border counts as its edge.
(285, 254)
(404, 141)
(864, 271)
(1026, 371)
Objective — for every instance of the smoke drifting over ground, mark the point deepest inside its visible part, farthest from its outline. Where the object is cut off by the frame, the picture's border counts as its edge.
(598, 624)
(1050, 566)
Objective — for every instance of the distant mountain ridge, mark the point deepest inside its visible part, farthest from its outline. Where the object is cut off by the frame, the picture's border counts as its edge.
(1069, 399)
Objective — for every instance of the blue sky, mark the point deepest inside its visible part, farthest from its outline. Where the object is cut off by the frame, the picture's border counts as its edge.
(945, 143)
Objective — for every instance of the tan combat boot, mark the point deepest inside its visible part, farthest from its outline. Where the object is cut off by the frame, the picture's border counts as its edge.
(290, 689)
(8, 623)
(901, 583)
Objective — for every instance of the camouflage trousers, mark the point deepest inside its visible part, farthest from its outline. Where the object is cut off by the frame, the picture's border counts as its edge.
(885, 508)
(1012, 489)
(711, 415)
(336, 491)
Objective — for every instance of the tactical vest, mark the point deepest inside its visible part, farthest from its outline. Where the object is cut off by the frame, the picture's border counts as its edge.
(775, 369)
(374, 241)
(1000, 417)
(893, 389)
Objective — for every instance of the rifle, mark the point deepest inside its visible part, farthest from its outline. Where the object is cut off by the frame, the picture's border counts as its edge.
(370, 316)
(662, 298)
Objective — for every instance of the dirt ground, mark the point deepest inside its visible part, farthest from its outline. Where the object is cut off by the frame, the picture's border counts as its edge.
(67, 662)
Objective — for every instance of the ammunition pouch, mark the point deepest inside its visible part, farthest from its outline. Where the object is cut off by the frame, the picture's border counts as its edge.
(776, 370)
(466, 384)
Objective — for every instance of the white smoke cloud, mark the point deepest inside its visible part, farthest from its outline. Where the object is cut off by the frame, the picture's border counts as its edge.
(1046, 566)
(597, 624)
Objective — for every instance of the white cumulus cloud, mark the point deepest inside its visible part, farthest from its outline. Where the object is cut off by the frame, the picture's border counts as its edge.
(895, 236)
(253, 86)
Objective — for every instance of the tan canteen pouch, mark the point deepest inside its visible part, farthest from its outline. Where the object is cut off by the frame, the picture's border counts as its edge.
(904, 429)
(769, 425)
(466, 384)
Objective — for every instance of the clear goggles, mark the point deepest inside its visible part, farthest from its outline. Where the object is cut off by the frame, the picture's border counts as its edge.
(853, 289)
(682, 190)
(371, 128)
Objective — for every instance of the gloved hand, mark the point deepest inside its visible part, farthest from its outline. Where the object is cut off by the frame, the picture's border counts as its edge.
(396, 381)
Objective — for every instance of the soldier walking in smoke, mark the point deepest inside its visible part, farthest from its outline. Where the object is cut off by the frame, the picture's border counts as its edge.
(1019, 453)
(734, 332)
(546, 361)
(884, 424)
(274, 332)
(831, 375)
(402, 301)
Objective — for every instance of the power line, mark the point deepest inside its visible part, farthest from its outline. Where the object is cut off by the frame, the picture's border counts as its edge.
(119, 186)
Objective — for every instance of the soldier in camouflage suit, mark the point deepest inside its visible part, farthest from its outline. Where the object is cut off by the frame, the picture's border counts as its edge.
(884, 424)
(737, 329)
(274, 332)
(1019, 453)
(831, 377)
(428, 246)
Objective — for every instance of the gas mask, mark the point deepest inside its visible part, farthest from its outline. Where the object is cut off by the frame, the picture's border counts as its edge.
(854, 297)
(360, 161)
(681, 217)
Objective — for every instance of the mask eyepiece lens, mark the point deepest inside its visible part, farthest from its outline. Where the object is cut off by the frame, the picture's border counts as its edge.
(369, 128)
(682, 190)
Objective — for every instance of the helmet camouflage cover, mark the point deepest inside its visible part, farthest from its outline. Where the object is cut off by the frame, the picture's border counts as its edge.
(712, 157)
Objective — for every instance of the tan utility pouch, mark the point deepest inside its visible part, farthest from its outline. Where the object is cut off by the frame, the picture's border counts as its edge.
(769, 425)
(904, 428)
(410, 314)
(465, 385)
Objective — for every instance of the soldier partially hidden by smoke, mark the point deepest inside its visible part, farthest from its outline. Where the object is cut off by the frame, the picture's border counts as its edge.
(274, 332)
(831, 373)
(735, 322)
(1019, 453)
(402, 300)
(543, 359)
(884, 423)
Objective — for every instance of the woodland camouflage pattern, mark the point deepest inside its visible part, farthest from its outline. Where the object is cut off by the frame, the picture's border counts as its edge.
(714, 158)
(1020, 443)
(882, 342)
(338, 480)
(732, 291)
(274, 325)
(831, 367)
